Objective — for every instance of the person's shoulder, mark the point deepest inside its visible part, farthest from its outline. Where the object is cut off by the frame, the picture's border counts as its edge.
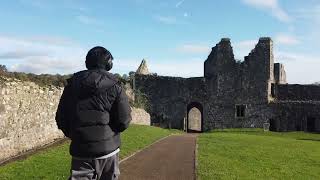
(79, 73)
(75, 75)
(110, 76)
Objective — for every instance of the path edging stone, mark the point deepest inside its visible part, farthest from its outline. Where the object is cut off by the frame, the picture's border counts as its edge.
(196, 160)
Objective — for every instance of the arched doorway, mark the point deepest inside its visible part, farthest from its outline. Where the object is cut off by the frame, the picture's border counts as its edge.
(194, 117)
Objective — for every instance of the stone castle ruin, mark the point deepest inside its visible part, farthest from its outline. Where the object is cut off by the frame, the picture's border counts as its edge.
(232, 94)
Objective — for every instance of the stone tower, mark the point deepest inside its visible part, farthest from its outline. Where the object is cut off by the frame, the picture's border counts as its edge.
(143, 68)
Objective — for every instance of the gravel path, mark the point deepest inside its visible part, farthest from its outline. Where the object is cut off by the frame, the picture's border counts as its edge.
(171, 158)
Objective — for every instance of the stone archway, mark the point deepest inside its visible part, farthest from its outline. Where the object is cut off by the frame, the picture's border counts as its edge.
(194, 117)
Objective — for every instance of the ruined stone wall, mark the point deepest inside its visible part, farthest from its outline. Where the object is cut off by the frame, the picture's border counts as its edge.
(296, 116)
(161, 93)
(256, 74)
(296, 92)
(168, 97)
(27, 114)
(232, 83)
(280, 74)
(295, 106)
(226, 83)
(140, 116)
(257, 84)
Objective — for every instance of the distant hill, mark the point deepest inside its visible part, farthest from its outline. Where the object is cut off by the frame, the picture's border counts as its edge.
(317, 83)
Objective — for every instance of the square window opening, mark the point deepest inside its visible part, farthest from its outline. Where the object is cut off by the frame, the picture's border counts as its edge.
(240, 111)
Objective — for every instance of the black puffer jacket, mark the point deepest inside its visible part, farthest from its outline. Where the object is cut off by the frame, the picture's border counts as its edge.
(92, 112)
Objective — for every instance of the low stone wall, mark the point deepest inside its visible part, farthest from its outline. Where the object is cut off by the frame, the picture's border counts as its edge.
(27, 114)
(27, 117)
(140, 116)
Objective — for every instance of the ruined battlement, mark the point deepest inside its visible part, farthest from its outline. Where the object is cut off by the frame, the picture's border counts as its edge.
(280, 76)
(297, 92)
(233, 94)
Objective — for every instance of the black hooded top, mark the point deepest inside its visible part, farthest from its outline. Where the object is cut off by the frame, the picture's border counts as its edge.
(92, 112)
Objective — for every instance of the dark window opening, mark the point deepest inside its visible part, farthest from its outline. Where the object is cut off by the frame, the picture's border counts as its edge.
(274, 125)
(240, 111)
(273, 93)
(311, 123)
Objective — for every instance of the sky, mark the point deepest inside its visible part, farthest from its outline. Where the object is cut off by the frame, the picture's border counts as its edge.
(174, 36)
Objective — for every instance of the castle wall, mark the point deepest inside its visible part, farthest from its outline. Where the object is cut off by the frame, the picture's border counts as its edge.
(280, 74)
(296, 92)
(234, 94)
(168, 97)
(295, 105)
(226, 83)
(296, 116)
(256, 74)
(232, 83)
(27, 116)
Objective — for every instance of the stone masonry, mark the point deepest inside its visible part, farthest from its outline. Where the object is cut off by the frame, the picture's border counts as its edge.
(233, 94)
(27, 116)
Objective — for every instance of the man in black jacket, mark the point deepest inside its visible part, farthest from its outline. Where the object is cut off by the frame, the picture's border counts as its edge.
(92, 112)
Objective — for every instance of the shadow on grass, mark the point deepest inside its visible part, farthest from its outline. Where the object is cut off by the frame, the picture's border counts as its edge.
(309, 139)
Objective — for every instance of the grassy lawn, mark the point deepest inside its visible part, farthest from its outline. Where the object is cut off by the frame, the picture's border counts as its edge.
(254, 154)
(54, 163)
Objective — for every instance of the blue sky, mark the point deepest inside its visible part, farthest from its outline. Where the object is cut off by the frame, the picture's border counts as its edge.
(174, 36)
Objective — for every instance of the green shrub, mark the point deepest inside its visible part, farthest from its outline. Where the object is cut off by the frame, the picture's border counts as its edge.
(140, 100)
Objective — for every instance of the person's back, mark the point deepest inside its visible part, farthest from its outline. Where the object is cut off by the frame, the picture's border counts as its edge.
(92, 112)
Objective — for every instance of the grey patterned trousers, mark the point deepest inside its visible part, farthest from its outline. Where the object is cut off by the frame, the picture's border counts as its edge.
(95, 169)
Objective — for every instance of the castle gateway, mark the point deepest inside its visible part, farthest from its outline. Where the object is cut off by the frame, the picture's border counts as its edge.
(233, 94)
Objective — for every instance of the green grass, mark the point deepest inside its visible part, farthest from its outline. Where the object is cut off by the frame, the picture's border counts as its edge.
(54, 163)
(254, 154)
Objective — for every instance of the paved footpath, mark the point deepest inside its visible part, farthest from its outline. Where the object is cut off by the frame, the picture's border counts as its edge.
(171, 158)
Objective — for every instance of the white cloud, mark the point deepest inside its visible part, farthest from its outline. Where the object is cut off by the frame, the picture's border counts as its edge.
(243, 48)
(240, 49)
(125, 65)
(164, 67)
(246, 44)
(193, 48)
(309, 16)
(271, 6)
(310, 12)
(300, 68)
(282, 56)
(187, 67)
(18, 54)
(41, 55)
(286, 39)
(44, 65)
